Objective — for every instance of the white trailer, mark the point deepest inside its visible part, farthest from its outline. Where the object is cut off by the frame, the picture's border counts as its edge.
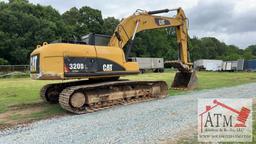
(227, 66)
(208, 65)
(240, 65)
(154, 64)
(224, 66)
(230, 66)
(234, 65)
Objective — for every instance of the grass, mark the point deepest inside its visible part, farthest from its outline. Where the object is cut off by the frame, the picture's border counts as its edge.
(254, 124)
(20, 92)
(14, 75)
(206, 80)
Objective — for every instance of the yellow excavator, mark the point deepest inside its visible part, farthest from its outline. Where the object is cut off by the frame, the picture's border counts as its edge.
(97, 61)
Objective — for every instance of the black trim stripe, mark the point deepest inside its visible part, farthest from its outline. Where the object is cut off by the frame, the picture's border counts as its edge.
(93, 64)
(98, 74)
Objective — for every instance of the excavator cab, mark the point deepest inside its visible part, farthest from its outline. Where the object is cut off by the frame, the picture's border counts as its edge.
(96, 39)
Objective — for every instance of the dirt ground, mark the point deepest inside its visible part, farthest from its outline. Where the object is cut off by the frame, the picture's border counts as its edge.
(21, 115)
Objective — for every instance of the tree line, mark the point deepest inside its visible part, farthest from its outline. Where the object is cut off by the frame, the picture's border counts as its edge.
(24, 25)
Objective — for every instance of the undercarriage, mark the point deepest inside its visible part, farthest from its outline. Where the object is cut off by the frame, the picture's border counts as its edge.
(88, 96)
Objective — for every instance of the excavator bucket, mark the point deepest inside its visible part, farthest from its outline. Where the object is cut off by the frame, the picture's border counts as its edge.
(185, 80)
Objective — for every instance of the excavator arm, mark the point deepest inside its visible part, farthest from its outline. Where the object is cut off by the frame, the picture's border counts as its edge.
(143, 20)
(146, 20)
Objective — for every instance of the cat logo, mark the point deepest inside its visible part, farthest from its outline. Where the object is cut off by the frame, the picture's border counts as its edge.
(107, 67)
(162, 22)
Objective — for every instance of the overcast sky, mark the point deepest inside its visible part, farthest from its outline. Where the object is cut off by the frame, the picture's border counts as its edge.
(231, 21)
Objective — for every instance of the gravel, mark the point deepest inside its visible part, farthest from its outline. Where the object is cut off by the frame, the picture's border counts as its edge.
(149, 122)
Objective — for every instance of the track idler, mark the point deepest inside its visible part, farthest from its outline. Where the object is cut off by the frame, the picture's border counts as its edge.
(185, 80)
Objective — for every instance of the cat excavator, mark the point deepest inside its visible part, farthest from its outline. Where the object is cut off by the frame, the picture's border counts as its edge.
(97, 61)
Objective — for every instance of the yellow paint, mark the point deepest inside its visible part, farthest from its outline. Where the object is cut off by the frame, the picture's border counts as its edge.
(52, 55)
(146, 22)
(52, 58)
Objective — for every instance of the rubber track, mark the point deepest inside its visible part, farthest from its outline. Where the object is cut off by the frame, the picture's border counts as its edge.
(43, 92)
(62, 86)
(66, 94)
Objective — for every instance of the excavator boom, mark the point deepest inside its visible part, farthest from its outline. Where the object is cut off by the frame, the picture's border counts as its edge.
(185, 78)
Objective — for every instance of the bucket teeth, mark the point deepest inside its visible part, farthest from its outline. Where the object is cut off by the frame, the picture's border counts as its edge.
(185, 80)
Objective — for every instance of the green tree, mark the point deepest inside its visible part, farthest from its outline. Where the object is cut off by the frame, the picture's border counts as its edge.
(83, 21)
(247, 55)
(252, 49)
(3, 61)
(155, 43)
(18, 1)
(91, 18)
(110, 25)
(23, 26)
(250, 52)
(71, 19)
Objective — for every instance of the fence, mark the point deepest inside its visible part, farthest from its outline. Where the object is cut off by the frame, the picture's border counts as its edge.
(12, 68)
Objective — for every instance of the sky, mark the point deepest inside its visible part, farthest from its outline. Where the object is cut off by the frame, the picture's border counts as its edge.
(230, 21)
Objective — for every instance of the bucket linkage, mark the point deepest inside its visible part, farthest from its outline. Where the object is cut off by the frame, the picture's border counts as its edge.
(185, 78)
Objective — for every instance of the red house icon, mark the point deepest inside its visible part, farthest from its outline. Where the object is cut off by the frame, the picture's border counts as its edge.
(242, 114)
